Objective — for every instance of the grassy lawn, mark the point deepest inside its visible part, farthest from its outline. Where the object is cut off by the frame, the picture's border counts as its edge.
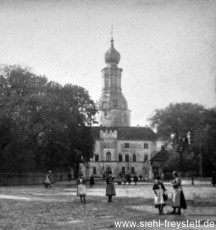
(33, 207)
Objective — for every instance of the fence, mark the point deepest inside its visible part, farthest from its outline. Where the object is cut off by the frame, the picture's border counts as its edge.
(189, 175)
(12, 179)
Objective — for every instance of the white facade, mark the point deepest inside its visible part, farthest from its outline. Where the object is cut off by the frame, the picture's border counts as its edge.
(122, 156)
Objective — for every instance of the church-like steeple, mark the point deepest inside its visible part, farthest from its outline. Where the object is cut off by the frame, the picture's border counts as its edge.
(112, 56)
(113, 107)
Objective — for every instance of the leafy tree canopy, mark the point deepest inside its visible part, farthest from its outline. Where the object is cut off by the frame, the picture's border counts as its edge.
(177, 119)
(181, 118)
(41, 121)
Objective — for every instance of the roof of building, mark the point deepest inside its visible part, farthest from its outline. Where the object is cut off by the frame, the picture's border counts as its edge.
(127, 133)
(161, 156)
(112, 55)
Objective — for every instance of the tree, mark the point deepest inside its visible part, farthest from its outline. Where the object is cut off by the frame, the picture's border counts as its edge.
(177, 118)
(181, 118)
(42, 122)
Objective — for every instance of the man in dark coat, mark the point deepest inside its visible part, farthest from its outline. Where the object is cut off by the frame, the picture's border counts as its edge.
(92, 181)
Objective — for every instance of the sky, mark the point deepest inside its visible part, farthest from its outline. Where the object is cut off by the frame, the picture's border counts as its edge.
(167, 47)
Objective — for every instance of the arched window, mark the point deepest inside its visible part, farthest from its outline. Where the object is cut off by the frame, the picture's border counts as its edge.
(120, 157)
(115, 103)
(134, 157)
(127, 158)
(108, 156)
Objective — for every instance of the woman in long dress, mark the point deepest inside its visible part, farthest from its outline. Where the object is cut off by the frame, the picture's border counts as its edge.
(110, 188)
(176, 194)
(159, 190)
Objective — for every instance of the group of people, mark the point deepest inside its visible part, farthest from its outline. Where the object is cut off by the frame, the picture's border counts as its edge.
(178, 200)
(160, 192)
(110, 187)
(127, 179)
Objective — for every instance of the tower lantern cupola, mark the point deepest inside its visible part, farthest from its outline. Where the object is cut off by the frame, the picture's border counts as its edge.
(112, 56)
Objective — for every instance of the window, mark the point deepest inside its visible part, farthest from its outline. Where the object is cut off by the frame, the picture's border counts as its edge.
(107, 145)
(115, 103)
(104, 105)
(145, 157)
(108, 156)
(134, 157)
(125, 117)
(127, 158)
(145, 145)
(96, 157)
(123, 170)
(94, 170)
(114, 81)
(126, 145)
(106, 82)
(120, 157)
(132, 170)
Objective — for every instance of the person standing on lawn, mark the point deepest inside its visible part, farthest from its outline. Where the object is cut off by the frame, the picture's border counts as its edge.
(159, 190)
(92, 180)
(81, 189)
(110, 187)
(47, 182)
(176, 194)
(135, 179)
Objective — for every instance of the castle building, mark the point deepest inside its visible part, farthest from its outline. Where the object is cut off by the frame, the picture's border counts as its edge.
(118, 146)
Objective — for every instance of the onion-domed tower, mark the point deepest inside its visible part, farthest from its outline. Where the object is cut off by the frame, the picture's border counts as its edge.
(113, 107)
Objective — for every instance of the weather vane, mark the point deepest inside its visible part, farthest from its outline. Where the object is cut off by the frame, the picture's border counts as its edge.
(111, 31)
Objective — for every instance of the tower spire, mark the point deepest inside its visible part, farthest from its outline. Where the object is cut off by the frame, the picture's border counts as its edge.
(111, 33)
